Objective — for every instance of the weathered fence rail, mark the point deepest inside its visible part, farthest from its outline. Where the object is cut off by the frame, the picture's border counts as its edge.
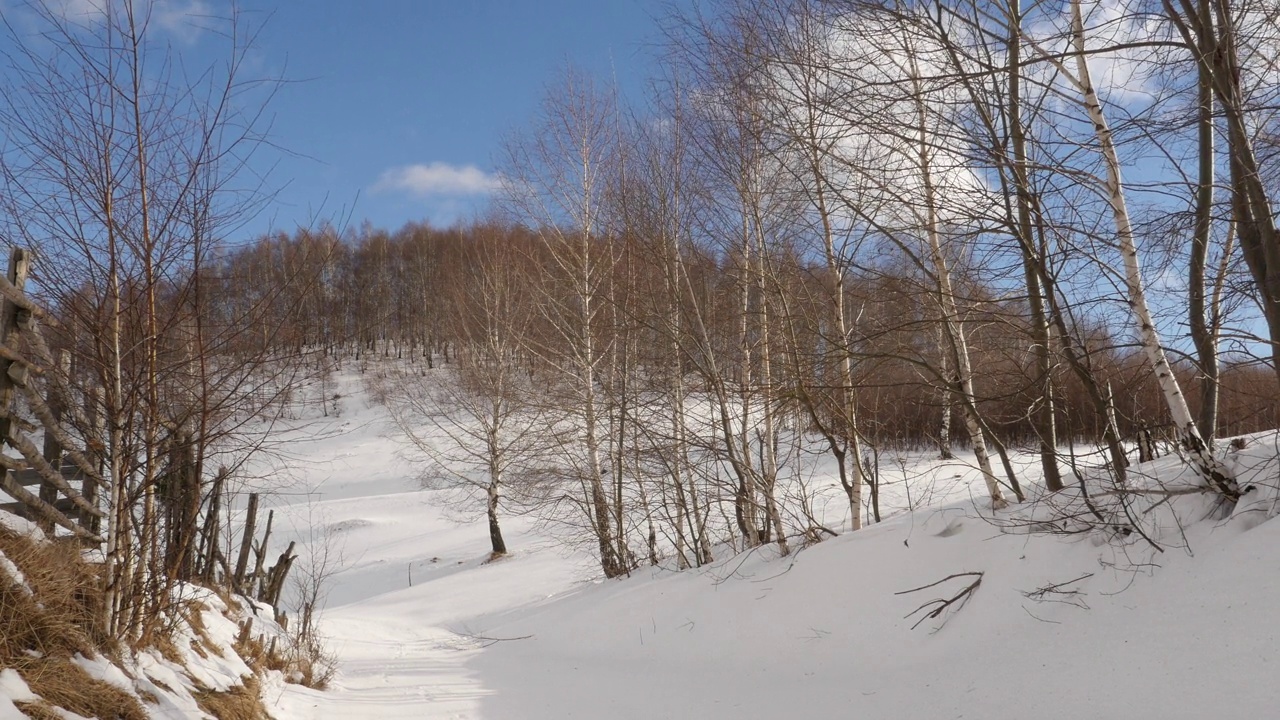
(69, 481)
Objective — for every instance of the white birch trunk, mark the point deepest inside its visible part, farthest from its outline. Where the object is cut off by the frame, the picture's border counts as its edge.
(952, 328)
(768, 459)
(1213, 471)
(744, 385)
(840, 325)
(595, 468)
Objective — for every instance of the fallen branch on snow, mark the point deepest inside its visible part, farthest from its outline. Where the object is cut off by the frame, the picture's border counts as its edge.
(935, 608)
(488, 641)
(1059, 592)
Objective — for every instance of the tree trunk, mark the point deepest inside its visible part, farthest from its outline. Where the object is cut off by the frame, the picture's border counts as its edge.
(1214, 473)
(1043, 414)
(953, 330)
(499, 546)
(768, 431)
(601, 512)
(1197, 315)
(945, 399)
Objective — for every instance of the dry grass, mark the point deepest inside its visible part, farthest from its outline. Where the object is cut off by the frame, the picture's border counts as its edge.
(302, 662)
(63, 684)
(255, 651)
(310, 664)
(203, 645)
(43, 628)
(39, 711)
(242, 702)
(198, 648)
(168, 650)
(194, 611)
(148, 696)
(59, 616)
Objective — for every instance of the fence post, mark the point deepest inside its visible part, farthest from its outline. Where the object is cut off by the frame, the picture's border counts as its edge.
(242, 562)
(52, 450)
(19, 265)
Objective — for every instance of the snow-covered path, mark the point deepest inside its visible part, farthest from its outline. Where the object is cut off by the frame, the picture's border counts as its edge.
(410, 589)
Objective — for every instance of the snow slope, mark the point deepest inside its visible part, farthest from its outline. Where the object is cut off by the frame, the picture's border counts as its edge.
(167, 684)
(424, 628)
(826, 635)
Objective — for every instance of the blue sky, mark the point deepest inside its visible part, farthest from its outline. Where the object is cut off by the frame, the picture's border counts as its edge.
(400, 105)
(390, 110)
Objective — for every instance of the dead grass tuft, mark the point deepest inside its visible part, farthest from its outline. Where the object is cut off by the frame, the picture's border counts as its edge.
(59, 616)
(255, 651)
(242, 702)
(168, 650)
(309, 664)
(195, 617)
(61, 683)
(148, 696)
(204, 645)
(39, 711)
(198, 648)
(302, 662)
(53, 615)
(47, 621)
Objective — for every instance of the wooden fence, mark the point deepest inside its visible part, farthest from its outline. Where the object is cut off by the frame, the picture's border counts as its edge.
(69, 479)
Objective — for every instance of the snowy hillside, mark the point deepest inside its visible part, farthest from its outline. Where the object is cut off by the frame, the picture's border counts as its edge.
(1061, 626)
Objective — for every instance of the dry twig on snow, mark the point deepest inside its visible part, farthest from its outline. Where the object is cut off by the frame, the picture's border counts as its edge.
(936, 607)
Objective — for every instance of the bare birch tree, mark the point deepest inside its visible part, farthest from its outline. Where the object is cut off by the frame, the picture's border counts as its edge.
(1215, 474)
(477, 421)
(556, 177)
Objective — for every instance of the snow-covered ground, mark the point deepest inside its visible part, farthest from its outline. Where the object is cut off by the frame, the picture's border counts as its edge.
(423, 627)
(166, 683)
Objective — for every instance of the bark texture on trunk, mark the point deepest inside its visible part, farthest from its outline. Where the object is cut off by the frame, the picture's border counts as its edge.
(1213, 471)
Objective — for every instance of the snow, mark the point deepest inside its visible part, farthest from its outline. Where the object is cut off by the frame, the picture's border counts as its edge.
(1185, 632)
(423, 626)
(10, 573)
(13, 689)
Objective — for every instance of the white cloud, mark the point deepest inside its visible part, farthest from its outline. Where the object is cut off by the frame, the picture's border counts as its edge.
(90, 11)
(438, 178)
(186, 20)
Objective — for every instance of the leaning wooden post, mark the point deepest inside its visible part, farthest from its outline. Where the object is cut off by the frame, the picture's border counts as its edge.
(276, 576)
(260, 555)
(19, 265)
(190, 509)
(212, 527)
(242, 562)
